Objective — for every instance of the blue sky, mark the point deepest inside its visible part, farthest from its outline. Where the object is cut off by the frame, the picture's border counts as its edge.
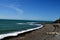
(30, 9)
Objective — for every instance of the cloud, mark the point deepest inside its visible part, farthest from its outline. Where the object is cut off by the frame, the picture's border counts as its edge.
(20, 11)
(14, 4)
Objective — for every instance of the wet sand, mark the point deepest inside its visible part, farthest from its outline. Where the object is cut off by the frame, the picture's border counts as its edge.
(39, 34)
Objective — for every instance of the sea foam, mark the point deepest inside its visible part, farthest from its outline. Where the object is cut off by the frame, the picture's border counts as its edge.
(19, 32)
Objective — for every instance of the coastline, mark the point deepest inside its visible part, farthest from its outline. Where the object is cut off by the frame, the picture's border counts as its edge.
(40, 34)
(2, 36)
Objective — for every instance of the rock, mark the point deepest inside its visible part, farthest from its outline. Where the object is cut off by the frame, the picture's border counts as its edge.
(57, 21)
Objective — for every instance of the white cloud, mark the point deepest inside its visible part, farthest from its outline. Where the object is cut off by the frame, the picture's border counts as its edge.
(14, 5)
(18, 10)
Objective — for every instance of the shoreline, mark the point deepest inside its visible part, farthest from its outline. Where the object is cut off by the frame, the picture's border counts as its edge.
(2, 36)
(40, 34)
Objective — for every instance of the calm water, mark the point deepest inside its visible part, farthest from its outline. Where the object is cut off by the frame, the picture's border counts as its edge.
(7, 26)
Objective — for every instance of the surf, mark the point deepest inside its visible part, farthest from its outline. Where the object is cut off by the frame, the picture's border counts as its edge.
(19, 32)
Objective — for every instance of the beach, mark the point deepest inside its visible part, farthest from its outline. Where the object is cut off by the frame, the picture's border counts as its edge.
(39, 34)
(29, 19)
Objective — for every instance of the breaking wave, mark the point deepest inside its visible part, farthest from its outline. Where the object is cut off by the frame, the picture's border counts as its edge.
(18, 32)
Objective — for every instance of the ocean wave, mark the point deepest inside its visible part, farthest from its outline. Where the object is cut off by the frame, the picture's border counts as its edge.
(20, 23)
(31, 23)
(19, 32)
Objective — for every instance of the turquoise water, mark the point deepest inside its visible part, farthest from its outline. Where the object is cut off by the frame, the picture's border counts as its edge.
(7, 26)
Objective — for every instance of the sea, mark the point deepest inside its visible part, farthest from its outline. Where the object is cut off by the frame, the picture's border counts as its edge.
(9, 26)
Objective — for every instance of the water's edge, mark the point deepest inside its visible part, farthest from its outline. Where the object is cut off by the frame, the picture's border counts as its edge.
(19, 32)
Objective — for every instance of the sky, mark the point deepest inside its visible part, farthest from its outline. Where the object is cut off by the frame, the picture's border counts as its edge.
(30, 9)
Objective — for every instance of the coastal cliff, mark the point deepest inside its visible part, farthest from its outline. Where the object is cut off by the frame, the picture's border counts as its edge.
(57, 21)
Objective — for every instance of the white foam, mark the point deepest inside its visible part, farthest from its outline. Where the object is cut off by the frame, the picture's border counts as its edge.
(30, 23)
(20, 23)
(19, 32)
